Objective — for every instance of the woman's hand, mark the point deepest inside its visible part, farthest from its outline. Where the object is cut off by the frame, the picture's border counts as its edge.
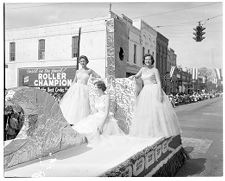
(161, 97)
(92, 78)
(100, 129)
(131, 77)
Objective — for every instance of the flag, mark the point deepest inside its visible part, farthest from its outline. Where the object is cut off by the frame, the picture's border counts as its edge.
(172, 71)
(214, 80)
(189, 70)
(203, 80)
(194, 73)
(218, 73)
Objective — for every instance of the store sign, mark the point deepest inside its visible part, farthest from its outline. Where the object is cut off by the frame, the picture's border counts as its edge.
(47, 76)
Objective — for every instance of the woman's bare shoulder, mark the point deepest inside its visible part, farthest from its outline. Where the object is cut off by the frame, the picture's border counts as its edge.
(142, 69)
(106, 97)
(155, 69)
(90, 71)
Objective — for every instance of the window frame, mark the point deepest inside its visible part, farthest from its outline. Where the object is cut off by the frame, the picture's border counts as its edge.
(12, 51)
(41, 50)
(74, 48)
(135, 53)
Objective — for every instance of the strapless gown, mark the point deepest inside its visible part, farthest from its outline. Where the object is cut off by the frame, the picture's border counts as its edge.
(75, 103)
(153, 118)
(89, 125)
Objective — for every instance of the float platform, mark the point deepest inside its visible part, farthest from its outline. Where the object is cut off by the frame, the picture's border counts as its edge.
(113, 156)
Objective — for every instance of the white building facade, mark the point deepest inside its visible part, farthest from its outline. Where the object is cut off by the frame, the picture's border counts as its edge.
(47, 55)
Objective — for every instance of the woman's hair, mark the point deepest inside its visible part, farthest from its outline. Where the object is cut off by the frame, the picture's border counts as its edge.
(148, 55)
(101, 85)
(84, 57)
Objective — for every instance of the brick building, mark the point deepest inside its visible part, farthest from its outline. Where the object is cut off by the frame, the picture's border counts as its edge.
(161, 56)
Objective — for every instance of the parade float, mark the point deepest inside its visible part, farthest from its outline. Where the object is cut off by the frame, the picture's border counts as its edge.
(47, 146)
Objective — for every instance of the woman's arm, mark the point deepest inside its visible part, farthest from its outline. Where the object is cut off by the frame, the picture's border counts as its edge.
(157, 76)
(106, 113)
(75, 78)
(137, 75)
(94, 74)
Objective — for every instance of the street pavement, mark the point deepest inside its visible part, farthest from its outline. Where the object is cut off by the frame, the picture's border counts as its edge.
(202, 137)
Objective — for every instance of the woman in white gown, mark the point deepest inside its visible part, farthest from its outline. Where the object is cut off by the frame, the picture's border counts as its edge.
(75, 103)
(154, 115)
(100, 122)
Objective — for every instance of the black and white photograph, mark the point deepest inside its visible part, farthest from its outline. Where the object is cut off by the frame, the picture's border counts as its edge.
(112, 89)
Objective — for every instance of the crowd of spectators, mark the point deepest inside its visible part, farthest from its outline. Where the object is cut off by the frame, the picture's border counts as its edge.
(184, 98)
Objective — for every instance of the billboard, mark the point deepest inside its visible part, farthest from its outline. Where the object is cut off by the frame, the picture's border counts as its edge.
(50, 79)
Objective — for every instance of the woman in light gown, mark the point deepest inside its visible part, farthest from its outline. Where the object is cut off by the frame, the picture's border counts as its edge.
(75, 103)
(100, 122)
(154, 115)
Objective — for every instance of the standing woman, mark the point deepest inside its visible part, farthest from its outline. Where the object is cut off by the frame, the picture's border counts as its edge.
(75, 103)
(154, 115)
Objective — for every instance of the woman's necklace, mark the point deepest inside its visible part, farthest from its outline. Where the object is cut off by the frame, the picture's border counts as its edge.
(148, 69)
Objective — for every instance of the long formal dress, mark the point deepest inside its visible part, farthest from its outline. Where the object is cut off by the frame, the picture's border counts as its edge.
(89, 125)
(153, 118)
(75, 103)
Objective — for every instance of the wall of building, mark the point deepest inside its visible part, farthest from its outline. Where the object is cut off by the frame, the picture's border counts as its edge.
(134, 38)
(121, 44)
(101, 41)
(161, 55)
(148, 37)
(126, 35)
(58, 46)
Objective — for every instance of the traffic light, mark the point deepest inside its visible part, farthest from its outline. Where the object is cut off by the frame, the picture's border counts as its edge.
(199, 33)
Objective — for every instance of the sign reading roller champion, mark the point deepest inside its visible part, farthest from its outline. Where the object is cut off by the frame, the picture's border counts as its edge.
(51, 79)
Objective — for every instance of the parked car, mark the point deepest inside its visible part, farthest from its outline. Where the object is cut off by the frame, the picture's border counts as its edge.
(172, 100)
(186, 99)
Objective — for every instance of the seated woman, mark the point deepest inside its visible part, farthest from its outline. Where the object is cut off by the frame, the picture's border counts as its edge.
(100, 122)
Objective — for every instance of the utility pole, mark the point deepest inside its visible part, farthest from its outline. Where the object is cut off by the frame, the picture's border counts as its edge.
(78, 52)
(110, 7)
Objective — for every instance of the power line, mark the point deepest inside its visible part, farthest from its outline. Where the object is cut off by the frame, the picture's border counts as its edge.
(175, 10)
(211, 18)
(178, 24)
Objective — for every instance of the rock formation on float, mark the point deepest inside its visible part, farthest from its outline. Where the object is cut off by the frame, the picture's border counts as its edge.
(44, 131)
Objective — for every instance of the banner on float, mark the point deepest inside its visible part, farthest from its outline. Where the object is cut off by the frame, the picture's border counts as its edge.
(47, 77)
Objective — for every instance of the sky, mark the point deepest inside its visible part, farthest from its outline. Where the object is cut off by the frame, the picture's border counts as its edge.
(176, 21)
